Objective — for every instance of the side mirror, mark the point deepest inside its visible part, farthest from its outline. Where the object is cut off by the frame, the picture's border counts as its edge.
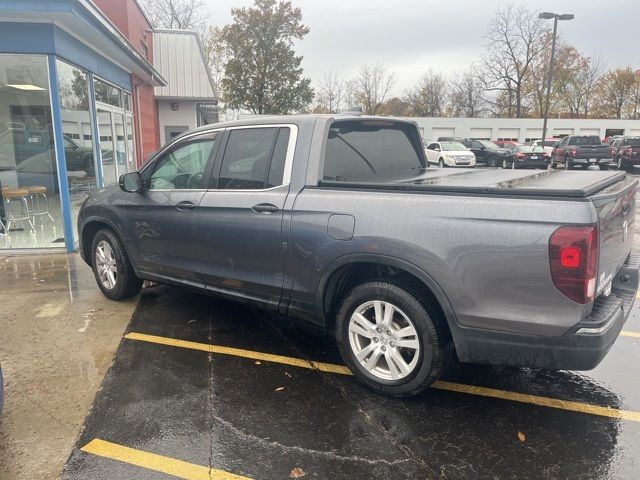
(131, 182)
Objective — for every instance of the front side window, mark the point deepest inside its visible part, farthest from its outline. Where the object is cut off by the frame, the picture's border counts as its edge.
(254, 158)
(372, 150)
(182, 168)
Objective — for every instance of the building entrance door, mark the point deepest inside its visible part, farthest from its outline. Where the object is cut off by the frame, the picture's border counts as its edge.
(116, 143)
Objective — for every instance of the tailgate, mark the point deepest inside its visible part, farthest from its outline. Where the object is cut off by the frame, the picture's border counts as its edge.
(594, 151)
(616, 207)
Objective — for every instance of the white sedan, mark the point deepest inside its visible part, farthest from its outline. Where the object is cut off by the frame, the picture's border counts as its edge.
(450, 154)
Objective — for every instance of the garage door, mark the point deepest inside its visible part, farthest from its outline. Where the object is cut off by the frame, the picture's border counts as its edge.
(532, 134)
(562, 132)
(508, 134)
(442, 132)
(635, 132)
(481, 133)
(590, 131)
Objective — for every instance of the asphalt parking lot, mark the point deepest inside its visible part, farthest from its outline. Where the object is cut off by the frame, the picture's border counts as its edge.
(204, 388)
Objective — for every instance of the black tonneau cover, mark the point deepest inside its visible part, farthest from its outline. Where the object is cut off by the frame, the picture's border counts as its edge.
(547, 183)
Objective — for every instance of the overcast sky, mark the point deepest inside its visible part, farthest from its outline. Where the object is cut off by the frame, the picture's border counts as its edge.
(411, 36)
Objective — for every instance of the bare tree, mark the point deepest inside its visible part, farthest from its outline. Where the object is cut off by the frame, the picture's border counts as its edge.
(466, 95)
(330, 93)
(429, 97)
(514, 39)
(176, 14)
(371, 87)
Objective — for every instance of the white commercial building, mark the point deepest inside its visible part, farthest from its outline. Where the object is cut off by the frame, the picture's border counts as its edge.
(190, 98)
(521, 129)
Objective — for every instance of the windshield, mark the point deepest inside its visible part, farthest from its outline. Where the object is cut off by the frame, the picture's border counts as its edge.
(588, 140)
(488, 144)
(452, 147)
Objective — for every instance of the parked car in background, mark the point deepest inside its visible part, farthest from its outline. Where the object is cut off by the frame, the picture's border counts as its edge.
(450, 154)
(548, 144)
(450, 139)
(625, 152)
(581, 151)
(508, 144)
(527, 156)
(486, 152)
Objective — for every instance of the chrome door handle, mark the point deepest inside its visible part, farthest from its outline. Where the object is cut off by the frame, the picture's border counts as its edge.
(265, 208)
(186, 205)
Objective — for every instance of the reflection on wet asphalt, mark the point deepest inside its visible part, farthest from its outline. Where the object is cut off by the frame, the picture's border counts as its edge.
(224, 411)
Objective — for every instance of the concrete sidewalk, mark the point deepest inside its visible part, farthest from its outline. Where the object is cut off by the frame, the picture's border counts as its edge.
(58, 336)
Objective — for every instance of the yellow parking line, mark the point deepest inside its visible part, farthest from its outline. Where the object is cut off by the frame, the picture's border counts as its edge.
(440, 385)
(159, 463)
(626, 333)
(238, 352)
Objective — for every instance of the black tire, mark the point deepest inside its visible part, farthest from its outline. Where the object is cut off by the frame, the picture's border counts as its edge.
(441, 163)
(433, 336)
(604, 166)
(619, 164)
(567, 164)
(492, 161)
(127, 283)
(504, 164)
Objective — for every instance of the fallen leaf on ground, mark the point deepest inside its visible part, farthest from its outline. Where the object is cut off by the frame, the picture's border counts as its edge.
(258, 362)
(521, 436)
(296, 473)
(279, 389)
(287, 374)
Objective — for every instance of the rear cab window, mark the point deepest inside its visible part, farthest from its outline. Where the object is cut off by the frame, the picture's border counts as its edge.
(372, 151)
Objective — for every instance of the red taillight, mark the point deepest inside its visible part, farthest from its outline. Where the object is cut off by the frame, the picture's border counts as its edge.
(573, 257)
(520, 155)
(574, 152)
(613, 151)
(628, 151)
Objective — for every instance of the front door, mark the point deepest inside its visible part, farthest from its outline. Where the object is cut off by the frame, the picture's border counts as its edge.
(240, 219)
(162, 219)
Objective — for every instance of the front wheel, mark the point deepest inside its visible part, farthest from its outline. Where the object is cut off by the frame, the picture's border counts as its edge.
(392, 337)
(441, 163)
(493, 161)
(111, 267)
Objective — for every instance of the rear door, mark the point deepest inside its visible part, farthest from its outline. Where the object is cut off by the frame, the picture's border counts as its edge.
(239, 224)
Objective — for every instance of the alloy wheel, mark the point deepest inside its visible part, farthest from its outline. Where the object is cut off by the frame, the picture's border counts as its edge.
(106, 265)
(384, 340)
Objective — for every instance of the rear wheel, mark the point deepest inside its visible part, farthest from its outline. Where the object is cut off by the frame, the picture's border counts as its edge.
(567, 164)
(493, 161)
(392, 337)
(111, 267)
(619, 164)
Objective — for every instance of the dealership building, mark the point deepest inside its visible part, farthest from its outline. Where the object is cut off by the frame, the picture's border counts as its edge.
(78, 108)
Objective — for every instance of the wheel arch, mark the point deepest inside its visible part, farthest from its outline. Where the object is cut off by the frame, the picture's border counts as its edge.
(347, 271)
(90, 227)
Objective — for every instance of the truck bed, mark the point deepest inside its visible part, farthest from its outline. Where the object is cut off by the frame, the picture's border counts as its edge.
(546, 183)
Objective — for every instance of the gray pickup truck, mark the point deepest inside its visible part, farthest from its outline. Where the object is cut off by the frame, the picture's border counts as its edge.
(581, 151)
(338, 221)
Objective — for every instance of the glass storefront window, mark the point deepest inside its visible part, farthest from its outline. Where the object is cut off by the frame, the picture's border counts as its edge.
(127, 101)
(108, 94)
(76, 128)
(30, 211)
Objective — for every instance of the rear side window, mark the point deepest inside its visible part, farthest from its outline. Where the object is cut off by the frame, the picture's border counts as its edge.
(254, 158)
(372, 151)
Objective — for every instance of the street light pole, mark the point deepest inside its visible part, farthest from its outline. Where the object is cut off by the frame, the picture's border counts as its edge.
(552, 62)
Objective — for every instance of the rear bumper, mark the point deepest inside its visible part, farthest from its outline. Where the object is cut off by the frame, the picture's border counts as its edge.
(586, 161)
(581, 348)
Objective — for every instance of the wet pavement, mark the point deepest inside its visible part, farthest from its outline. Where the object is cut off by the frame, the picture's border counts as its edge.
(262, 420)
(171, 405)
(58, 335)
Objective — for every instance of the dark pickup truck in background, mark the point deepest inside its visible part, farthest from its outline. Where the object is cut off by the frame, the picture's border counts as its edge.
(338, 221)
(581, 151)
